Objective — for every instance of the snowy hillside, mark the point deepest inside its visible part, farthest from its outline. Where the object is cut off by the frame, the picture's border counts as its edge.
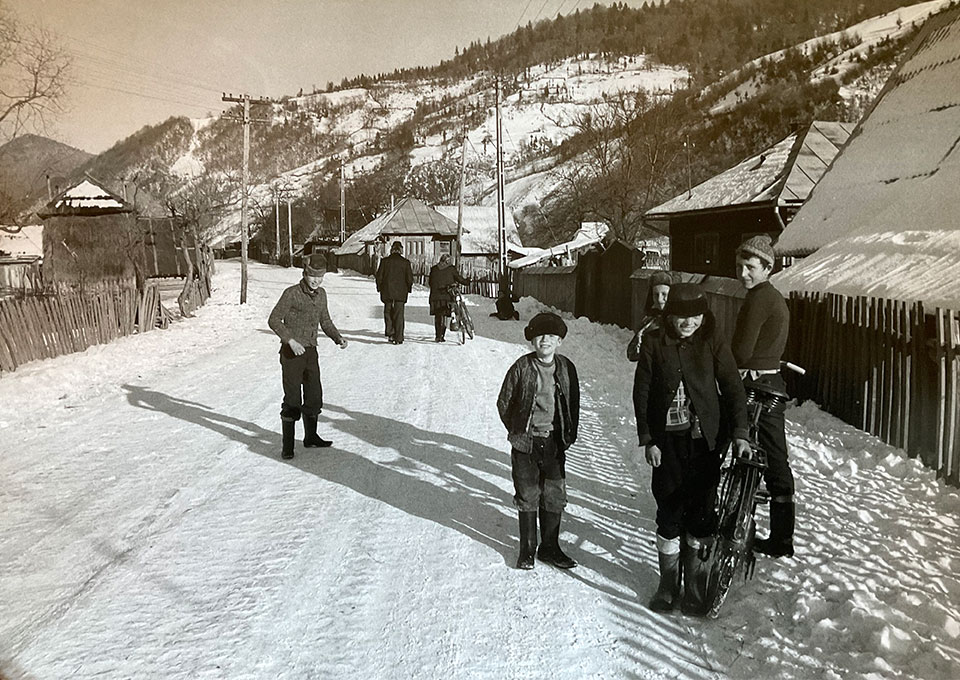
(151, 530)
(855, 43)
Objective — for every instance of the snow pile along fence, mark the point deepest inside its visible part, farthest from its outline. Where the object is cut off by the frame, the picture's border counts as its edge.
(43, 327)
(888, 367)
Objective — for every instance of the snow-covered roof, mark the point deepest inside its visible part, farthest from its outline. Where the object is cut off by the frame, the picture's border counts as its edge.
(410, 217)
(22, 241)
(86, 197)
(590, 233)
(783, 174)
(479, 235)
(884, 220)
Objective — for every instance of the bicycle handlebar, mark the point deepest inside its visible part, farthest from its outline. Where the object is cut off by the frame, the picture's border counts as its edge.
(793, 367)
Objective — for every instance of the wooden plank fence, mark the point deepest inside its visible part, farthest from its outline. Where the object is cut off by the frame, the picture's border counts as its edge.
(887, 367)
(43, 327)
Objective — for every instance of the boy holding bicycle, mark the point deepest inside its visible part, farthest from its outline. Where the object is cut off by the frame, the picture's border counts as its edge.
(443, 275)
(539, 404)
(685, 388)
(759, 339)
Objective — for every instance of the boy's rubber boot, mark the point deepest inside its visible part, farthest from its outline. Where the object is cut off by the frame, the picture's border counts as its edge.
(310, 438)
(288, 436)
(528, 540)
(668, 592)
(695, 575)
(780, 541)
(549, 550)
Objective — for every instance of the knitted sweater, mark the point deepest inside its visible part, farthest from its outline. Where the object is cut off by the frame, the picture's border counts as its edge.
(299, 312)
(760, 335)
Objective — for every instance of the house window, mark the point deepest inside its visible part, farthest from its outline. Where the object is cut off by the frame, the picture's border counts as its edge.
(706, 250)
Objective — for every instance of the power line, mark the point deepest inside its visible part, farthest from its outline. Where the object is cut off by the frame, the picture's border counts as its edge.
(206, 107)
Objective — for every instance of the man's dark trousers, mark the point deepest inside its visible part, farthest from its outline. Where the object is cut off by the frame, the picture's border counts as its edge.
(300, 373)
(393, 319)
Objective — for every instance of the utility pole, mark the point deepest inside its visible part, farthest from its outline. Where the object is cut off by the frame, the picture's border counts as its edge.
(501, 211)
(463, 180)
(343, 208)
(290, 229)
(276, 209)
(244, 230)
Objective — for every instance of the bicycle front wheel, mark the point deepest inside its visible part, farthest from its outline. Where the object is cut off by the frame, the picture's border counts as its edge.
(732, 550)
(467, 321)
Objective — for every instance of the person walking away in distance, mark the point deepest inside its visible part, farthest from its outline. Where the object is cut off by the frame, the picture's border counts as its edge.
(301, 309)
(686, 388)
(657, 292)
(759, 339)
(539, 404)
(443, 276)
(394, 282)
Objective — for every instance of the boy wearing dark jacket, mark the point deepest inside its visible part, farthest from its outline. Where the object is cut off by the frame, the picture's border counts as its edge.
(295, 318)
(394, 280)
(685, 388)
(539, 404)
(443, 275)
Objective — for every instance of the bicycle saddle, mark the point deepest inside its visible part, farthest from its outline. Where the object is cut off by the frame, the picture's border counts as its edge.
(767, 391)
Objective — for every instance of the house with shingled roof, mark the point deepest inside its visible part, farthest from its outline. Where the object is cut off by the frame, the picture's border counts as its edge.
(761, 194)
(884, 221)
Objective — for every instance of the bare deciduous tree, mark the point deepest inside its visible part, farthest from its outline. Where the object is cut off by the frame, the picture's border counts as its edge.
(36, 73)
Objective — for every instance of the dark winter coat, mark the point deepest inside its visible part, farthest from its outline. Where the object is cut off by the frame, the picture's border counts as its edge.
(515, 402)
(705, 364)
(299, 312)
(442, 276)
(649, 324)
(394, 278)
(760, 335)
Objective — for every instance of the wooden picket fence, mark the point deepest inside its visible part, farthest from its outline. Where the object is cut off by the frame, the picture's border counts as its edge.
(46, 326)
(888, 367)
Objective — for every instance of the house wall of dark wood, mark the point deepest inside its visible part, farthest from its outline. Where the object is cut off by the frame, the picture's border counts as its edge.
(706, 243)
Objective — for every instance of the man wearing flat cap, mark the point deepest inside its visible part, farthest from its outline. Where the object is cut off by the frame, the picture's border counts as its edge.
(301, 309)
(394, 279)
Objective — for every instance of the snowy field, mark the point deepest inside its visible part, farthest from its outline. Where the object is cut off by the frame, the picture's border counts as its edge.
(149, 528)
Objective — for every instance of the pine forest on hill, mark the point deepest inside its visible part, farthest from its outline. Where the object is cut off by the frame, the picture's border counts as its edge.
(610, 155)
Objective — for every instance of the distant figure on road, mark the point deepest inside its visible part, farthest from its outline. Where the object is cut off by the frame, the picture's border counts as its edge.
(443, 275)
(295, 318)
(394, 283)
(759, 339)
(539, 404)
(660, 283)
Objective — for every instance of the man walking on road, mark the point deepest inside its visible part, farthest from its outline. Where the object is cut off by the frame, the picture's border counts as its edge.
(394, 282)
(759, 338)
(295, 318)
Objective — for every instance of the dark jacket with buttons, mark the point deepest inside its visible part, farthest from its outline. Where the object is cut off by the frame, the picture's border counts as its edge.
(515, 402)
(299, 312)
(706, 366)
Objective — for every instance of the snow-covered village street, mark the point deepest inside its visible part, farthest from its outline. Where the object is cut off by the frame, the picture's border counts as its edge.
(149, 528)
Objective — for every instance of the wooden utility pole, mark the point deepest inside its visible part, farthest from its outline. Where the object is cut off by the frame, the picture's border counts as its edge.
(501, 211)
(276, 209)
(463, 180)
(343, 208)
(244, 230)
(290, 229)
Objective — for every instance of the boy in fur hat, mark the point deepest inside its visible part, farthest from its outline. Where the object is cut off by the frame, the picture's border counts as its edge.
(295, 318)
(539, 404)
(685, 388)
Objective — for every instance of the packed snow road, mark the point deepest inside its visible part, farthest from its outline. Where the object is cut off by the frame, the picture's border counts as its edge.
(149, 528)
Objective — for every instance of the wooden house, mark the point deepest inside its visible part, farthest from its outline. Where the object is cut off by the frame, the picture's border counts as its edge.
(479, 247)
(884, 221)
(758, 195)
(91, 233)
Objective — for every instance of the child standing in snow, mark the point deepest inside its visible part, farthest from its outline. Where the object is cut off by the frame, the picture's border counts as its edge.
(657, 293)
(686, 385)
(539, 404)
(295, 318)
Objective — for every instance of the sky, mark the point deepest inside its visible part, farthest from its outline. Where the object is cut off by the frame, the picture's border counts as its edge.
(138, 62)
(151, 530)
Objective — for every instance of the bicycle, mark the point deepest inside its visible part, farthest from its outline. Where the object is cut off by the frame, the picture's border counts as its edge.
(737, 501)
(460, 316)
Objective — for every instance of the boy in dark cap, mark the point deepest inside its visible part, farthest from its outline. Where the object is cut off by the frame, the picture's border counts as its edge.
(685, 388)
(759, 339)
(295, 318)
(539, 404)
